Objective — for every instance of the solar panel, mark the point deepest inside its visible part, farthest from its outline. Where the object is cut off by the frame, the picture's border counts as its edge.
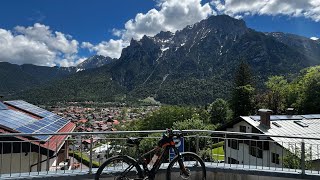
(311, 116)
(279, 117)
(14, 119)
(287, 117)
(2, 106)
(30, 108)
(24, 129)
(50, 123)
(300, 123)
(276, 124)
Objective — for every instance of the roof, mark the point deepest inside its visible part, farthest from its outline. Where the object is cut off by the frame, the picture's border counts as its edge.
(82, 121)
(116, 122)
(287, 125)
(52, 143)
(2, 106)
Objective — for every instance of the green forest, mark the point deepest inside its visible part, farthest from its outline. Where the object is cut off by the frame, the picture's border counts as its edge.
(301, 93)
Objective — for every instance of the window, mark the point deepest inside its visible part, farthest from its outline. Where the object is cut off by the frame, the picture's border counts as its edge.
(275, 158)
(300, 123)
(234, 144)
(232, 161)
(276, 124)
(243, 129)
(265, 145)
(255, 151)
(254, 130)
(261, 144)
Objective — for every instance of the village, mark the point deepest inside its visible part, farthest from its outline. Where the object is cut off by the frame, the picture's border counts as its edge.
(96, 118)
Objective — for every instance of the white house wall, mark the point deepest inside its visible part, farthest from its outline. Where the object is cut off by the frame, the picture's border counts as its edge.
(21, 162)
(243, 156)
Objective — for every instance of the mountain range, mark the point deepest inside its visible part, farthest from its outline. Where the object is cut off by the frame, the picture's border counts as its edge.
(17, 78)
(192, 66)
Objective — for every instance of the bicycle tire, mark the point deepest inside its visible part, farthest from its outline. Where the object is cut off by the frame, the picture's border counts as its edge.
(192, 162)
(121, 163)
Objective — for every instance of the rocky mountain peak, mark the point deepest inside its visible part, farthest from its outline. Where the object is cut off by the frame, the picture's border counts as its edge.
(164, 35)
(225, 22)
(94, 62)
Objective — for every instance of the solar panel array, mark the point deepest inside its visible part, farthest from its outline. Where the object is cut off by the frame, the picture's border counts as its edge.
(14, 119)
(30, 108)
(279, 117)
(2, 106)
(50, 123)
(312, 116)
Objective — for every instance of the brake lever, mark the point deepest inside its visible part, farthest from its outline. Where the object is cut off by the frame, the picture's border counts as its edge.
(179, 134)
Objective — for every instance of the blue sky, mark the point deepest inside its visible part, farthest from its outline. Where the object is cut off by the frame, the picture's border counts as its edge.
(65, 32)
(85, 20)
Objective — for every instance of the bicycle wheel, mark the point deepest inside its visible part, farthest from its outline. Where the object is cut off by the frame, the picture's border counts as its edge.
(119, 168)
(194, 165)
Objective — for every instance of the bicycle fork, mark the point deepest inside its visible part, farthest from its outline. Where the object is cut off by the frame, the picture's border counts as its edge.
(183, 169)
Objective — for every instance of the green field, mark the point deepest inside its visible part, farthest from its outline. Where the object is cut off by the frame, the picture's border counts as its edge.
(218, 153)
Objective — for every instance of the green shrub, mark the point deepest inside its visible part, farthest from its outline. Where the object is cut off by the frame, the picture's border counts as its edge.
(83, 158)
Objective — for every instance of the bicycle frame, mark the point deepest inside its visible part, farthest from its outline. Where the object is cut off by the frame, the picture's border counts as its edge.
(141, 160)
(162, 157)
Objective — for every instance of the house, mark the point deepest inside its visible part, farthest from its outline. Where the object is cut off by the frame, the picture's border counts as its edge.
(83, 121)
(31, 153)
(87, 142)
(271, 150)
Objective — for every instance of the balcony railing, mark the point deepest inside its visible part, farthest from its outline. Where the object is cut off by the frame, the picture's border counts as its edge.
(83, 152)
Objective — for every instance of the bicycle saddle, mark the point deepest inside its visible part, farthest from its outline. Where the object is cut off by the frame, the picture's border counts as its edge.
(133, 141)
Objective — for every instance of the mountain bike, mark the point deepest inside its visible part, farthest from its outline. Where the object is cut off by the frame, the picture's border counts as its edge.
(185, 165)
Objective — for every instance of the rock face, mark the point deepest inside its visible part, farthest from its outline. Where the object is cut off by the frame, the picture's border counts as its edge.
(196, 64)
(94, 62)
(309, 47)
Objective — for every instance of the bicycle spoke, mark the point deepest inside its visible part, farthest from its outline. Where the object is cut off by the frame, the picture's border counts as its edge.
(190, 167)
(118, 168)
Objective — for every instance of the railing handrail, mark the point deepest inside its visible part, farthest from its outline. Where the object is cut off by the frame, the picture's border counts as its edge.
(211, 132)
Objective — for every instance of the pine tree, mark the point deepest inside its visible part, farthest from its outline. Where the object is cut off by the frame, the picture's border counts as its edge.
(243, 91)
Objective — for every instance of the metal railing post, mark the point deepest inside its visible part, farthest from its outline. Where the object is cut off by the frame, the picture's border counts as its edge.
(197, 147)
(197, 144)
(90, 164)
(303, 168)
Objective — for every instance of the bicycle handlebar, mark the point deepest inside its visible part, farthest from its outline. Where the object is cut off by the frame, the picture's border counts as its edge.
(171, 133)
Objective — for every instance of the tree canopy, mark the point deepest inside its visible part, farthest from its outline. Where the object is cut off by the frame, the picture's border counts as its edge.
(243, 91)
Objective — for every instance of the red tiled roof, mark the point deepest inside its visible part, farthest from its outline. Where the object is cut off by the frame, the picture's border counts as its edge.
(56, 141)
(82, 121)
(116, 122)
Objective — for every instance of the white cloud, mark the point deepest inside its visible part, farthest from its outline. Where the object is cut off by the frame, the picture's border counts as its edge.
(171, 15)
(37, 45)
(111, 48)
(295, 8)
(68, 63)
(86, 45)
(314, 38)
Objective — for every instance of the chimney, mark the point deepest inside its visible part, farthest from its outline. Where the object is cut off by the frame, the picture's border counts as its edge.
(265, 117)
(290, 111)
